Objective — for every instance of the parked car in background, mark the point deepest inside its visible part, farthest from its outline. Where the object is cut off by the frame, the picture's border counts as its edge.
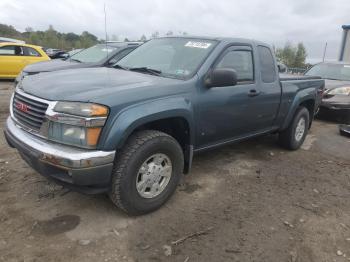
(95, 56)
(15, 56)
(344, 130)
(336, 98)
(59, 54)
(53, 53)
(131, 130)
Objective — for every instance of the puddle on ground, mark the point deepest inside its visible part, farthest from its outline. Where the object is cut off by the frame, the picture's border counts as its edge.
(56, 225)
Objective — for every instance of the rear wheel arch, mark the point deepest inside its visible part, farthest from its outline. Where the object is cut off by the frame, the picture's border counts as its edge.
(307, 101)
(309, 104)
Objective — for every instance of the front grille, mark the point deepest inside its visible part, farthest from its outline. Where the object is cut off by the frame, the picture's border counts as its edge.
(29, 112)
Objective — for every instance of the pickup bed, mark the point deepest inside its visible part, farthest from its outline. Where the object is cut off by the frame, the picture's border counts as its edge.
(132, 130)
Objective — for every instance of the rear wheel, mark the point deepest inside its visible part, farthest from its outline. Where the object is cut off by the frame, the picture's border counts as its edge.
(293, 137)
(146, 172)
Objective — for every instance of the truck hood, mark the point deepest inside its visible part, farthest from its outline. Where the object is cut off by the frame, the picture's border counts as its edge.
(53, 65)
(96, 84)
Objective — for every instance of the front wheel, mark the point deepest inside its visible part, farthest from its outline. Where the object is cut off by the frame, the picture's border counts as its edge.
(293, 137)
(146, 172)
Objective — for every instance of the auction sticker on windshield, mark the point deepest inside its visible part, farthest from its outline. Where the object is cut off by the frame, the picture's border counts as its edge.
(204, 45)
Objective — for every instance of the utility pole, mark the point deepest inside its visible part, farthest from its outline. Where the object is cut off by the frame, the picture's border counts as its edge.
(324, 52)
(104, 9)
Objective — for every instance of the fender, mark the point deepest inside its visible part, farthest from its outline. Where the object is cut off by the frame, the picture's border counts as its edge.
(302, 96)
(128, 119)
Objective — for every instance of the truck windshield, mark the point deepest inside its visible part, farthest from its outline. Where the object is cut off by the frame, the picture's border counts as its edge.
(93, 54)
(330, 71)
(169, 57)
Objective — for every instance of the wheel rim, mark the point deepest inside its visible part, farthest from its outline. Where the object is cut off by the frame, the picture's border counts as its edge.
(153, 176)
(300, 129)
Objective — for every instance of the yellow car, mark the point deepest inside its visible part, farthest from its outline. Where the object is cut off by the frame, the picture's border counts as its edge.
(15, 56)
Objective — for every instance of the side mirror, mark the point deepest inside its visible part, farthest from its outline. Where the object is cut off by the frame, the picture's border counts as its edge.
(221, 77)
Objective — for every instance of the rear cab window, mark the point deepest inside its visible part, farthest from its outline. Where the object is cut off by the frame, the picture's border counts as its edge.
(267, 65)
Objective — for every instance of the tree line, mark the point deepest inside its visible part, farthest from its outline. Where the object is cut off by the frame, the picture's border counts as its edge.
(50, 38)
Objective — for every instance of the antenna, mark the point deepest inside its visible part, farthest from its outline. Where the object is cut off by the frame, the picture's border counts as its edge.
(104, 8)
(324, 52)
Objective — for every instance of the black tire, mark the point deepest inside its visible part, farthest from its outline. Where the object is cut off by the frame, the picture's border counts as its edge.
(139, 147)
(287, 138)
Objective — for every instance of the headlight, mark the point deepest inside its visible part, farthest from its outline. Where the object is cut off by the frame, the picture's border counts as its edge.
(75, 123)
(81, 109)
(345, 90)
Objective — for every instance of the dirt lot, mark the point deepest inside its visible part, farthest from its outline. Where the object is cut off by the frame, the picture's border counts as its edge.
(247, 202)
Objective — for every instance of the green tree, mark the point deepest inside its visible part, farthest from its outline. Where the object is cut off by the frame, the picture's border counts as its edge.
(143, 38)
(292, 56)
(286, 55)
(300, 56)
(50, 38)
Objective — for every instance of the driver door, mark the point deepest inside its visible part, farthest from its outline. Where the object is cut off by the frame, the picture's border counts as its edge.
(229, 112)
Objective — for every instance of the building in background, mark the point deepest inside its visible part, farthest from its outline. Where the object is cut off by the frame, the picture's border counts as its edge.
(345, 44)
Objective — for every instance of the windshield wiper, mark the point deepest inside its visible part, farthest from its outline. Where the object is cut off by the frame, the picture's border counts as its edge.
(146, 70)
(119, 67)
(75, 60)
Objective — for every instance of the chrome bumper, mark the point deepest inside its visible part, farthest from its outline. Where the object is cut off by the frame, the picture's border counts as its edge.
(55, 154)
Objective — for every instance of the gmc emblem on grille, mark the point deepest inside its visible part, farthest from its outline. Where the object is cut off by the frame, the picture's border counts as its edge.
(22, 107)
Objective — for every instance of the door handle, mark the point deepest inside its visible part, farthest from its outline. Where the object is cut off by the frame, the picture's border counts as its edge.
(253, 92)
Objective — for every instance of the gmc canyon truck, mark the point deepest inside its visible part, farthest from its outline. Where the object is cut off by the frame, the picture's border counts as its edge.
(132, 130)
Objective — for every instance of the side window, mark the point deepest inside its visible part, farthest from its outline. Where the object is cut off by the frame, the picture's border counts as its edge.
(11, 50)
(267, 65)
(241, 61)
(32, 52)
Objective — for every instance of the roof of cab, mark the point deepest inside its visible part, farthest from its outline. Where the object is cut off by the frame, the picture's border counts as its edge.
(222, 39)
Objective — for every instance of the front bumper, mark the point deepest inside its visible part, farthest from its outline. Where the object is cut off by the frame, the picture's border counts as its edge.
(87, 171)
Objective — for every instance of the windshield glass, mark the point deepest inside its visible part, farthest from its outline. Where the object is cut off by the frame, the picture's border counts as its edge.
(93, 54)
(330, 71)
(172, 57)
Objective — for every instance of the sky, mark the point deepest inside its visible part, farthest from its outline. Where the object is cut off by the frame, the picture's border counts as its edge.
(313, 22)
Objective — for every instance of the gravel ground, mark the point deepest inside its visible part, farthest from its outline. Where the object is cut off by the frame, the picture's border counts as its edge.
(247, 202)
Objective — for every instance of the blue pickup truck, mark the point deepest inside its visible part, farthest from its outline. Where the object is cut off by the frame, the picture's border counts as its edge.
(132, 130)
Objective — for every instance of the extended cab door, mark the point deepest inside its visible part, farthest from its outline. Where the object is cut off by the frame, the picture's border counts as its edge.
(269, 90)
